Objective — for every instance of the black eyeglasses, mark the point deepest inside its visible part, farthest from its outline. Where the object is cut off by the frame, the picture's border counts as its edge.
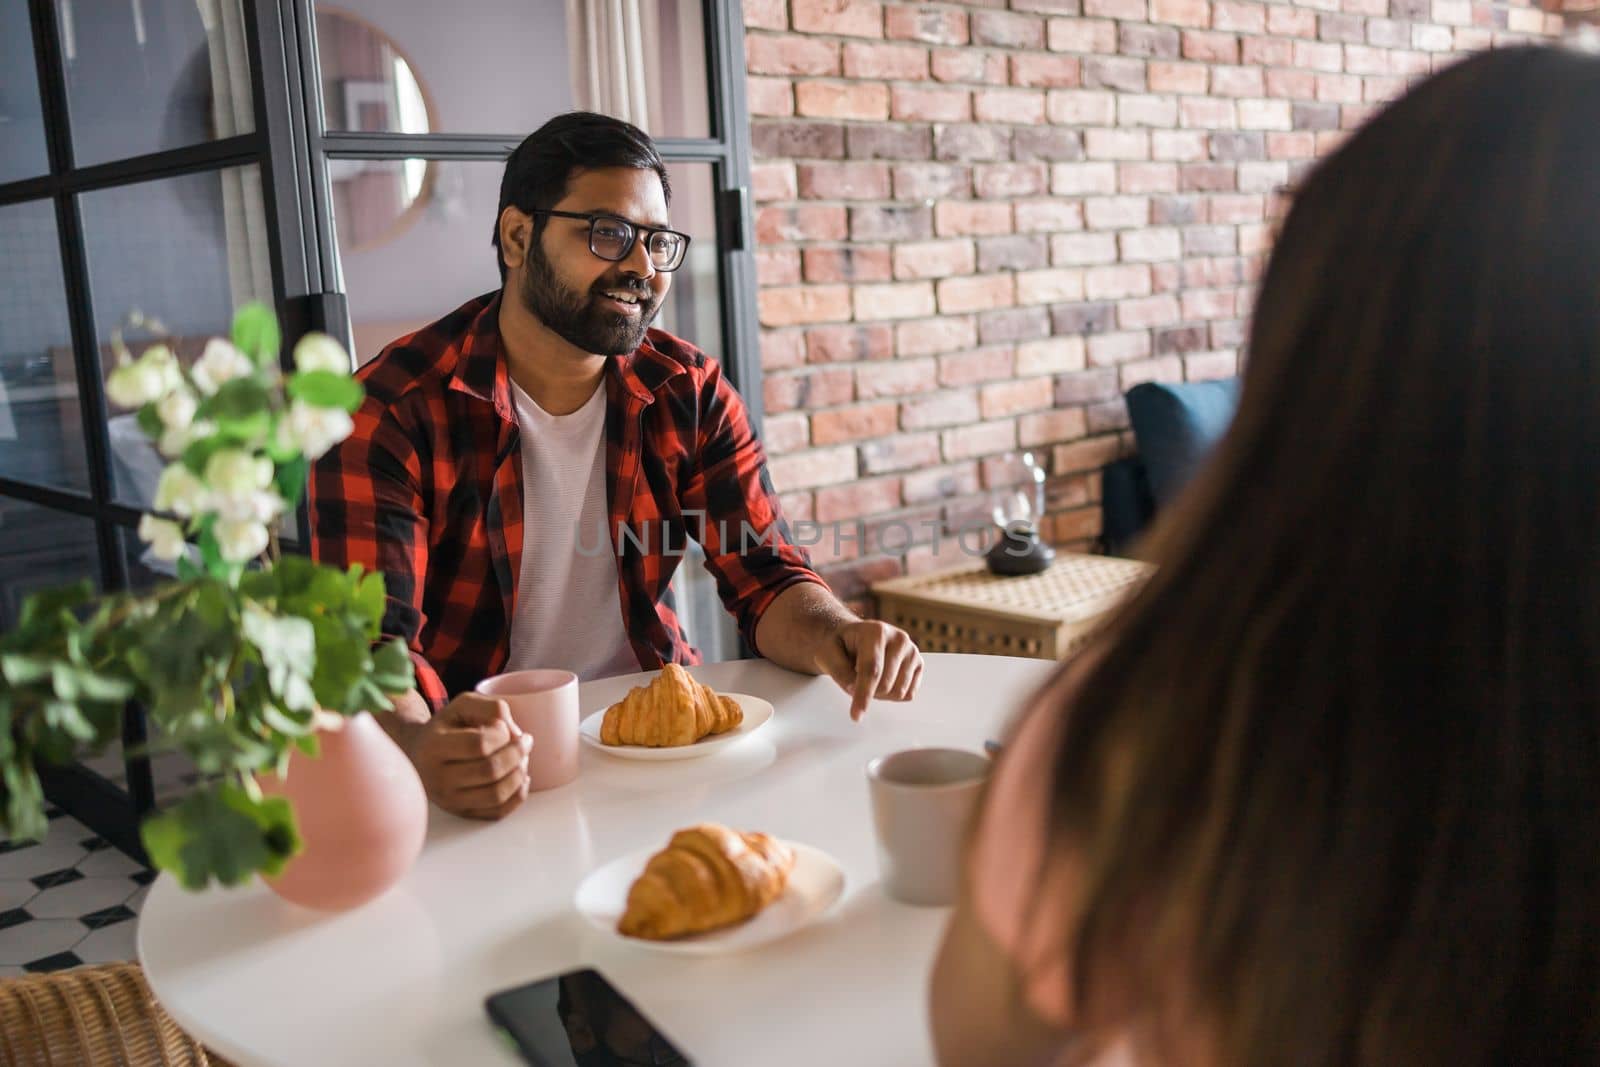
(612, 238)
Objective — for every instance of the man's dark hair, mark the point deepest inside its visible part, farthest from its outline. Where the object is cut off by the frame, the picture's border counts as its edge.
(538, 171)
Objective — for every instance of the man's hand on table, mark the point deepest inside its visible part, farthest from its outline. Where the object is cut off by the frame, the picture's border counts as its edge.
(871, 659)
(472, 758)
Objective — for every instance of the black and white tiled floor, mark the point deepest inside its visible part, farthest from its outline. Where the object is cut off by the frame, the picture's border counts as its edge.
(66, 900)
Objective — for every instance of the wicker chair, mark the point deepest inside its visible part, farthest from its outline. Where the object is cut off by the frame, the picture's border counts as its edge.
(89, 1016)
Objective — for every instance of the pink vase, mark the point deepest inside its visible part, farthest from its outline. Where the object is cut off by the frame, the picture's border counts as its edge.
(361, 812)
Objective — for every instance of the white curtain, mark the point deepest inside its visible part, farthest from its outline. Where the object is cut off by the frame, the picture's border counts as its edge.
(615, 61)
(244, 215)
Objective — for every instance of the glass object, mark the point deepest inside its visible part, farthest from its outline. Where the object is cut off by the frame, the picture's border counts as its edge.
(22, 148)
(41, 548)
(185, 251)
(41, 425)
(149, 75)
(416, 68)
(612, 238)
(693, 307)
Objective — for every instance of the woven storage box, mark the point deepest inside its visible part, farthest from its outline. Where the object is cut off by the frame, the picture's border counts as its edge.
(1045, 616)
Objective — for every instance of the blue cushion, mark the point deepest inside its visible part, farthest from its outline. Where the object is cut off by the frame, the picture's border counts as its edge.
(1176, 426)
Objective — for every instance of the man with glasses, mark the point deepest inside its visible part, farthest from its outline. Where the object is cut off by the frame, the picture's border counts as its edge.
(525, 470)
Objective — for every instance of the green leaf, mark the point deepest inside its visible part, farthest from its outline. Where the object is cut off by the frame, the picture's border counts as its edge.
(63, 715)
(392, 669)
(49, 604)
(255, 333)
(237, 399)
(23, 812)
(150, 422)
(222, 833)
(199, 452)
(290, 479)
(22, 669)
(326, 389)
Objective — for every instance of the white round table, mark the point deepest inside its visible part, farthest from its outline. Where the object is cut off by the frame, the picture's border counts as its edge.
(489, 906)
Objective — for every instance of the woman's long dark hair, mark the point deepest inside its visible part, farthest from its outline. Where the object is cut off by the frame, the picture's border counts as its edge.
(1334, 785)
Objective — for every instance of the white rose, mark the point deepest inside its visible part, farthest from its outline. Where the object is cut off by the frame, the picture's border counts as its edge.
(318, 351)
(231, 472)
(180, 492)
(177, 408)
(220, 362)
(175, 439)
(133, 385)
(162, 364)
(240, 542)
(164, 537)
(313, 430)
(259, 506)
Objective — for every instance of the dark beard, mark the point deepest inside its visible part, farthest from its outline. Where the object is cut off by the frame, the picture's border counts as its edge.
(578, 318)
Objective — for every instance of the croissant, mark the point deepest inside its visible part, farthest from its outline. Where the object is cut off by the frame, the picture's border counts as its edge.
(672, 710)
(707, 877)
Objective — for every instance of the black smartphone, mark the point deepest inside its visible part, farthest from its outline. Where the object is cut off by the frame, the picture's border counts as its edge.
(579, 1019)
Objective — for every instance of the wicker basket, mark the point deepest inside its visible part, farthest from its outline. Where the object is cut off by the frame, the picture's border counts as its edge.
(1045, 616)
(91, 1016)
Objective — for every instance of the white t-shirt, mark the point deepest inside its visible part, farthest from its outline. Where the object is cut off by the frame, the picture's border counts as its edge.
(568, 614)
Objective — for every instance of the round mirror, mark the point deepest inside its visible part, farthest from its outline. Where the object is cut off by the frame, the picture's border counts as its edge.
(369, 85)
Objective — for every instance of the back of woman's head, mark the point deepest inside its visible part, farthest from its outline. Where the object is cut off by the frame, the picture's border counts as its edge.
(1335, 782)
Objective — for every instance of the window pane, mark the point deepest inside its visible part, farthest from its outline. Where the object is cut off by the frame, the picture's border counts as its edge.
(41, 429)
(22, 148)
(693, 308)
(153, 74)
(41, 548)
(185, 251)
(417, 68)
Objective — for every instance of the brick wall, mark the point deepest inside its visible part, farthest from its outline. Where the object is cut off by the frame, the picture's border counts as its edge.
(980, 223)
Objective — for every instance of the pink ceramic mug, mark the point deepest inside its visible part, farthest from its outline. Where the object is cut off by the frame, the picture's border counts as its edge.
(545, 704)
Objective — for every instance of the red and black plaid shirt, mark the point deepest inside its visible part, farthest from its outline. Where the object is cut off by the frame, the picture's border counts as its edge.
(428, 490)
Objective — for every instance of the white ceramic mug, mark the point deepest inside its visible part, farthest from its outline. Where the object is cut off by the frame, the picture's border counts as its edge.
(922, 799)
(545, 704)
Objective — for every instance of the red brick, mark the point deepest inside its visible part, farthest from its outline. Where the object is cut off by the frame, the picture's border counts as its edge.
(968, 65)
(1351, 29)
(1070, 107)
(1202, 366)
(940, 409)
(1147, 313)
(1115, 282)
(983, 439)
(983, 293)
(934, 259)
(834, 100)
(1007, 30)
(844, 181)
(1123, 73)
(1150, 245)
(1160, 369)
(953, 218)
(1178, 77)
(837, 425)
(1116, 212)
(1309, 55)
(929, 24)
(1284, 21)
(1432, 38)
(1091, 453)
(882, 140)
(849, 18)
(1008, 105)
(818, 467)
(790, 139)
(770, 97)
(932, 181)
(1213, 304)
(1239, 16)
(1004, 399)
(901, 452)
(785, 433)
(1206, 113)
(1083, 35)
(1117, 144)
(901, 300)
(983, 141)
(801, 222)
(1048, 216)
(773, 181)
(1138, 178)
(852, 263)
(798, 507)
(890, 62)
(933, 336)
(1051, 355)
(1078, 179)
(941, 483)
(931, 105)
(999, 181)
(1083, 249)
(891, 222)
(766, 15)
(1045, 72)
(972, 368)
(849, 344)
(1053, 286)
(1207, 47)
(899, 377)
(1072, 529)
(1339, 88)
(791, 305)
(1237, 81)
(1109, 348)
(1291, 84)
(1267, 52)
(1267, 114)
(1181, 12)
(1178, 146)
(777, 266)
(1128, 10)
(1145, 109)
(781, 349)
(1049, 427)
(790, 54)
(1362, 60)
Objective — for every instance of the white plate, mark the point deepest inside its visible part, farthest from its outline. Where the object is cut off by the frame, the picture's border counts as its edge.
(815, 885)
(757, 712)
